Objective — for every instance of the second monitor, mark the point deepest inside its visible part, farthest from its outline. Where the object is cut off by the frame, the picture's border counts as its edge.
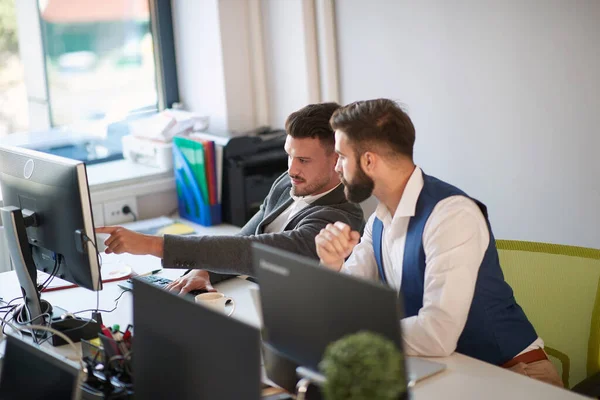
(47, 216)
(183, 350)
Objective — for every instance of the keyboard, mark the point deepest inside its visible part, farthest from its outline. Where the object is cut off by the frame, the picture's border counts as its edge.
(158, 281)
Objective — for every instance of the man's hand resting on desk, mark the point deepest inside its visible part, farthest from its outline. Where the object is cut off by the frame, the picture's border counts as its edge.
(193, 280)
(123, 240)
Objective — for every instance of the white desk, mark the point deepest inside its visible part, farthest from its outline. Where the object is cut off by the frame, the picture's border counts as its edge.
(465, 377)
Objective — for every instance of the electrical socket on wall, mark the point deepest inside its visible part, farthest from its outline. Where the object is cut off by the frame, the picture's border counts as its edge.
(113, 211)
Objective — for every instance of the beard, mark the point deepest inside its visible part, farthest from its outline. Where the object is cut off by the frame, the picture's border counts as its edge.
(360, 188)
(308, 189)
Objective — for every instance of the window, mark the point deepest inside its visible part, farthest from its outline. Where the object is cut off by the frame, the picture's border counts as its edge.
(13, 94)
(89, 67)
(99, 58)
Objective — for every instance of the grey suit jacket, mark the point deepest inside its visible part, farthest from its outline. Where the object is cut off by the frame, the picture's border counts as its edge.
(233, 254)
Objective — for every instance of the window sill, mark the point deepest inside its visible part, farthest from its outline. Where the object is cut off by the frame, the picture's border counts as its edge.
(121, 173)
(113, 176)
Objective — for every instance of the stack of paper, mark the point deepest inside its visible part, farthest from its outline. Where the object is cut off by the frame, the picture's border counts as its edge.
(167, 124)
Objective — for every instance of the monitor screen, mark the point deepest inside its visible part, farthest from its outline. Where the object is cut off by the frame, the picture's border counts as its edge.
(28, 372)
(56, 190)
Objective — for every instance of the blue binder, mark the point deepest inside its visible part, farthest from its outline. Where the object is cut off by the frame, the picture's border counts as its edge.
(193, 206)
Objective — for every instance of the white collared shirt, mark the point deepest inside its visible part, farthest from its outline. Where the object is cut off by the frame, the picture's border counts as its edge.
(299, 203)
(455, 239)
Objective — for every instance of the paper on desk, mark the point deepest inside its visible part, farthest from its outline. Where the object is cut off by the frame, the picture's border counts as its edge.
(111, 271)
(140, 265)
(161, 226)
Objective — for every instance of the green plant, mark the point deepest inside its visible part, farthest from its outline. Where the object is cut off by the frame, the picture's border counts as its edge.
(8, 27)
(361, 366)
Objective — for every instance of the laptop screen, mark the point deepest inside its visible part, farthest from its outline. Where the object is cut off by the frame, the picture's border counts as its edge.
(186, 351)
(29, 372)
(306, 306)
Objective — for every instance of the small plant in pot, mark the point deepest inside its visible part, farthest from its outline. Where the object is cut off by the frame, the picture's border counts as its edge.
(363, 366)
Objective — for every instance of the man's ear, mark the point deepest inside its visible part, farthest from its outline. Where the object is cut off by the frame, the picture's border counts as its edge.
(368, 161)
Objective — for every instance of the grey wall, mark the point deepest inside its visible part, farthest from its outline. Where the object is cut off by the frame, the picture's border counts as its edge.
(505, 96)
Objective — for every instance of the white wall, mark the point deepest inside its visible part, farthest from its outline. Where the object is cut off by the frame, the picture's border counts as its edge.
(505, 97)
(200, 71)
(285, 58)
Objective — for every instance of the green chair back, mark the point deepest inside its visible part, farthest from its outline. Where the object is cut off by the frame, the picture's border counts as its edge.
(558, 287)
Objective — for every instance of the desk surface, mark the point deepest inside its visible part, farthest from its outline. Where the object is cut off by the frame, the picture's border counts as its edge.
(464, 378)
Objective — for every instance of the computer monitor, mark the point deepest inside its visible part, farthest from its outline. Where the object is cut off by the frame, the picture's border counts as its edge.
(184, 350)
(306, 307)
(29, 372)
(47, 217)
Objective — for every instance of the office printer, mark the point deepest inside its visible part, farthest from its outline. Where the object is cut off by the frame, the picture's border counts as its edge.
(250, 166)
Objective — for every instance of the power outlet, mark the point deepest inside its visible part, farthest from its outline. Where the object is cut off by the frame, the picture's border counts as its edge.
(113, 211)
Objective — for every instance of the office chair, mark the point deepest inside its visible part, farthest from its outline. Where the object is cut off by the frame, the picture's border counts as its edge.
(558, 287)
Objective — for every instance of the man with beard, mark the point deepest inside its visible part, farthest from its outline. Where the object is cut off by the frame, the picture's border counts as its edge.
(301, 202)
(430, 241)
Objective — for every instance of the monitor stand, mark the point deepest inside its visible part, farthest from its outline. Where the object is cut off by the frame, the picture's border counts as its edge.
(36, 311)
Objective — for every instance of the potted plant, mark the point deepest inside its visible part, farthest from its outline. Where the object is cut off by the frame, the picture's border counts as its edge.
(361, 366)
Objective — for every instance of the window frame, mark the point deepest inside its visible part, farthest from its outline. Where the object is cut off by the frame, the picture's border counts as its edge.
(32, 51)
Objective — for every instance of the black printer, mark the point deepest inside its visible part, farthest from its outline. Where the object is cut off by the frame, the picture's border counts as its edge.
(250, 166)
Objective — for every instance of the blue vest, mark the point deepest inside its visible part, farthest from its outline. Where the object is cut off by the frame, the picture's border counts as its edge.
(497, 328)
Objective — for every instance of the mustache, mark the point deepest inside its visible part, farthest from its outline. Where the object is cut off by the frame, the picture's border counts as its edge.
(296, 177)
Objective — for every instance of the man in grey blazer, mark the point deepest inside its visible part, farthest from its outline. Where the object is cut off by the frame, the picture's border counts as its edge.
(301, 202)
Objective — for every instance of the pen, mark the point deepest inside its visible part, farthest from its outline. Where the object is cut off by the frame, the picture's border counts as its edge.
(127, 333)
(156, 271)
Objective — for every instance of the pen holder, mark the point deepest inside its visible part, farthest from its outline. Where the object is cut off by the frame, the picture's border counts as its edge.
(92, 351)
(112, 348)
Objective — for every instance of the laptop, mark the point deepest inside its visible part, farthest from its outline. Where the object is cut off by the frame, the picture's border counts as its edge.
(29, 372)
(306, 306)
(183, 350)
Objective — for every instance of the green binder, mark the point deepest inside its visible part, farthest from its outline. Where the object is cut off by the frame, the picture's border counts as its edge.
(193, 152)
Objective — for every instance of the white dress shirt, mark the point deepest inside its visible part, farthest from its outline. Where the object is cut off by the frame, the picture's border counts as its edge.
(299, 203)
(455, 239)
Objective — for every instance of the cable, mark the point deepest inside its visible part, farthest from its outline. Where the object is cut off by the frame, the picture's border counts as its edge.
(10, 310)
(66, 330)
(127, 210)
(106, 311)
(33, 319)
(5, 322)
(78, 353)
(89, 320)
(62, 336)
(97, 309)
(26, 324)
(52, 274)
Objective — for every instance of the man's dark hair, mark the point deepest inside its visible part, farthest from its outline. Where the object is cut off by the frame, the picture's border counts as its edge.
(312, 121)
(376, 125)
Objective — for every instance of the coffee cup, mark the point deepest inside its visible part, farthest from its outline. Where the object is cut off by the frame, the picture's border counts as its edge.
(255, 294)
(216, 301)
